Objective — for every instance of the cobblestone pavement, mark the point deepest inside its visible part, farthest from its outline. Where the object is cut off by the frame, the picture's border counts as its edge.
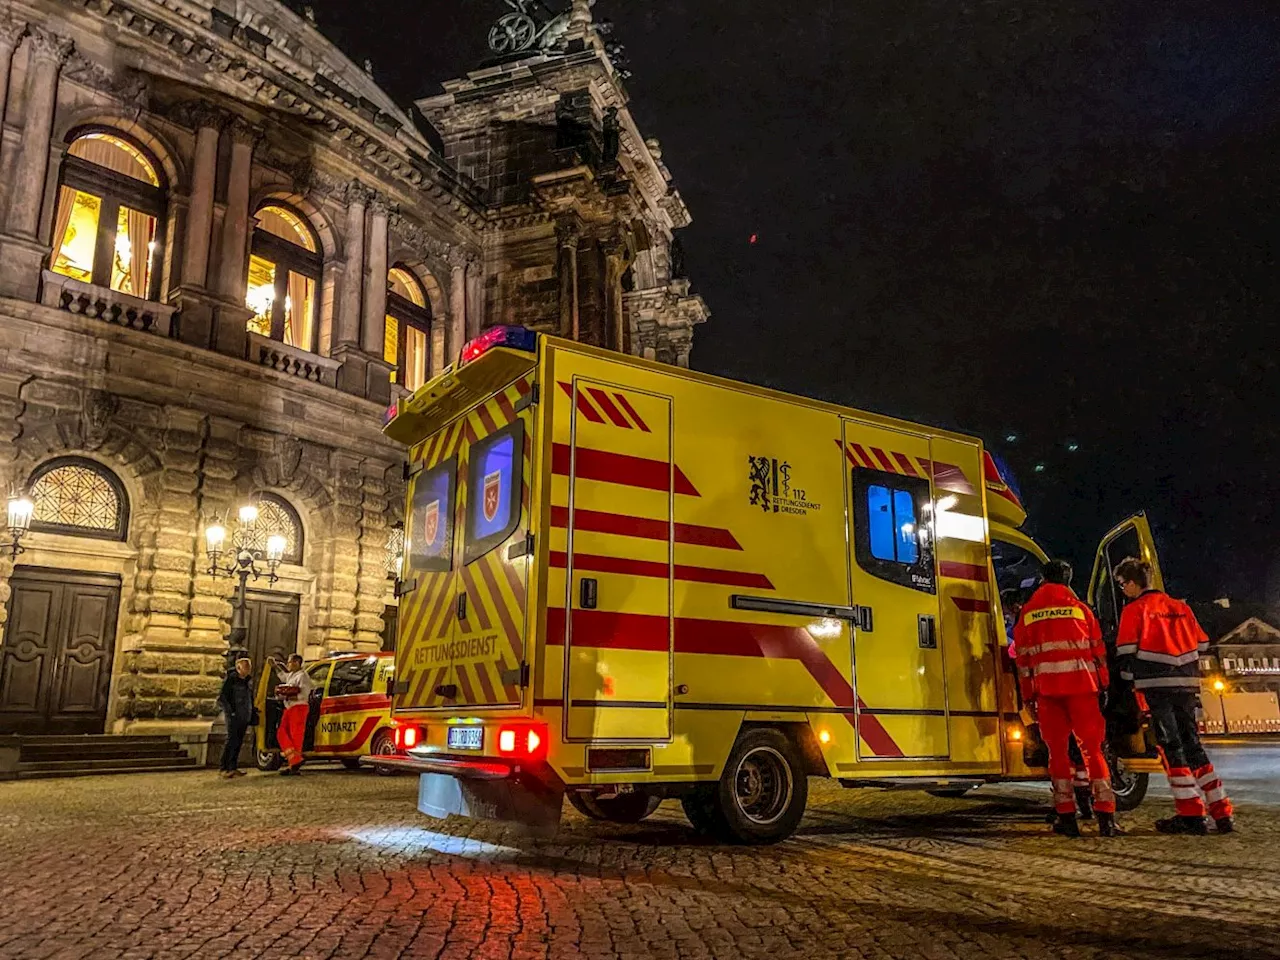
(340, 865)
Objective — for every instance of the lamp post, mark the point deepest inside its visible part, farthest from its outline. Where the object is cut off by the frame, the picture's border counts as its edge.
(1220, 688)
(242, 564)
(21, 510)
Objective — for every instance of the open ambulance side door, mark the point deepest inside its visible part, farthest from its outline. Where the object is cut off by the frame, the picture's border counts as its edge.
(1130, 538)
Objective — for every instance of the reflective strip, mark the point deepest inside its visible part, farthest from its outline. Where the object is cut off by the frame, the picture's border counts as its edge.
(1184, 793)
(1147, 683)
(1168, 659)
(1081, 645)
(1066, 666)
(1127, 649)
(1215, 794)
(1082, 777)
(1104, 797)
(1204, 776)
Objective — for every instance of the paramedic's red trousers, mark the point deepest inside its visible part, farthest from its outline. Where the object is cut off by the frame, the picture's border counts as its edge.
(292, 732)
(1059, 718)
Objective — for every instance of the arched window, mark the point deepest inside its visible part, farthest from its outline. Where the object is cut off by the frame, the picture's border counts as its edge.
(395, 550)
(408, 338)
(109, 227)
(275, 516)
(78, 497)
(284, 275)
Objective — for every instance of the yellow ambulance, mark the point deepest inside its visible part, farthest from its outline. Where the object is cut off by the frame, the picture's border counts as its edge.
(625, 581)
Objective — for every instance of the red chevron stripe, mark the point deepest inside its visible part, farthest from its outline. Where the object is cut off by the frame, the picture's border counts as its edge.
(631, 411)
(644, 527)
(963, 571)
(621, 469)
(660, 571)
(610, 408)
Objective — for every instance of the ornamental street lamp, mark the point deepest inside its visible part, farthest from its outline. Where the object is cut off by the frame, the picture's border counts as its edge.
(1220, 689)
(243, 563)
(21, 510)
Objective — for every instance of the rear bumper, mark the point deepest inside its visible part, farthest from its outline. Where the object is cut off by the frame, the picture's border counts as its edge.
(462, 769)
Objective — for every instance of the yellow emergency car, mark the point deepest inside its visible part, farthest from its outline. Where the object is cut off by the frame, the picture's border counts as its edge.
(625, 581)
(350, 711)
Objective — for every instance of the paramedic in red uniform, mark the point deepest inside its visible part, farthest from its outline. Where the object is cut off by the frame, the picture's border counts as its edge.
(1062, 668)
(295, 688)
(1159, 643)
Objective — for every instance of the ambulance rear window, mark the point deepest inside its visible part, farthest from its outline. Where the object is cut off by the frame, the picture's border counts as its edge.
(430, 526)
(494, 489)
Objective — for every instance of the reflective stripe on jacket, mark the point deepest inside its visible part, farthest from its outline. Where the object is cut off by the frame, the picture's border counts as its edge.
(1059, 644)
(1161, 642)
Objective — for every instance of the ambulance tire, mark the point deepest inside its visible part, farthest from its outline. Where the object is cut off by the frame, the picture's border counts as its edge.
(624, 808)
(268, 760)
(1130, 788)
(762, 794)
(384, 745)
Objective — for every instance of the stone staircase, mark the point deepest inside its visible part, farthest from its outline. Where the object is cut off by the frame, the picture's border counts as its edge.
(79, 756)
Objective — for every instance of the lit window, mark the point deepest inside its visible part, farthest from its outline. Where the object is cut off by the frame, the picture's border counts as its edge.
(110, 209)
(275, 516)
(407, 345)
(395, 550)
(494, 490)
(892, 532)
(284, 274)
(78, 497)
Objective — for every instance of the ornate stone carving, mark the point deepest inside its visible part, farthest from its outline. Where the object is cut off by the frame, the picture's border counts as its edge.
(129, 86)
(416, 238)
(568, 233)
(354, 192)
(99, 409)
(198, 115)
(286, 455)
(242, 131)
(48, 46)
(380, 205)
(12, 30)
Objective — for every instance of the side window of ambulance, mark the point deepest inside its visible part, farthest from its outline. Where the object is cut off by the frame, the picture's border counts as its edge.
(494, 490)
(318, 673)
(430, 527)
(351, 677)
(893, 536)
(1109, 600)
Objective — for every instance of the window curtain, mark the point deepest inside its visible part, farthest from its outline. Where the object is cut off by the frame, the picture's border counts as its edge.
(141, 230)
(109, 153)
(66, 204)
(297, 320)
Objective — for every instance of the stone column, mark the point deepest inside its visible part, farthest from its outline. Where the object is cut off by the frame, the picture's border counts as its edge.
(457, 306)
(373, 328)
(12, 31)
(567, 236)
(475, 291)
(232, 266)
(347, 331)
(195, 251)
(46, 53)
(615, 254)
(371, 587)
(337, 583)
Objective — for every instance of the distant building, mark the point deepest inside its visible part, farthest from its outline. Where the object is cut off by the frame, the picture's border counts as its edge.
(223, 251)
(1247, 658)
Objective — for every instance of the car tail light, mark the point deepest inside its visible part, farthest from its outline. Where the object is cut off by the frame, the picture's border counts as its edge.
(408, 736)
(523, 741)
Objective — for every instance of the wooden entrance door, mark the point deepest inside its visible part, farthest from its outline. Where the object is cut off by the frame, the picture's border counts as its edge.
(272, 622)
(55, 661)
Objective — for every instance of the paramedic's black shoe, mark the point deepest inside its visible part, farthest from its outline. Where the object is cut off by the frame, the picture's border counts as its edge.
(1192, 826)
(1107, 826)
(1226, 824)
(1066, 825)
(1051, 817)
(1084, 803)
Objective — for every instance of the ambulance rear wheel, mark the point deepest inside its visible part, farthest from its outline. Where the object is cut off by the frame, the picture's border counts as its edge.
(268, 760)
(764, 789)
(384, 745)
(579, 802)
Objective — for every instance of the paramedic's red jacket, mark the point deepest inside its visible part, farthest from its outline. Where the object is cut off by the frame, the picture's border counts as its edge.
(1160, 642)
(1059, 645)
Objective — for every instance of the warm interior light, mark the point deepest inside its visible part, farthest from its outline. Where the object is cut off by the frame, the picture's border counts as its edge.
(249, 514)
(275, 547)
(824, 736)
(21, 509)
(215, 535)
(1015, 734)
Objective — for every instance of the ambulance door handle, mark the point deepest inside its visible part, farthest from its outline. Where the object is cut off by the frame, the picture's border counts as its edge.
(587, 592)
(462, 606)
(927, 631)
(865, 621)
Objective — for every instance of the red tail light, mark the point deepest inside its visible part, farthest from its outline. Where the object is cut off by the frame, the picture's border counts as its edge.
(407, 736)
(524, 741)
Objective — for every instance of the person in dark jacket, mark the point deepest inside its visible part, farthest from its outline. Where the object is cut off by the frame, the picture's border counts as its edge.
(236, 702)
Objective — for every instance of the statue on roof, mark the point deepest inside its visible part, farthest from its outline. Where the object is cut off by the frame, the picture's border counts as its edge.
(531, 26)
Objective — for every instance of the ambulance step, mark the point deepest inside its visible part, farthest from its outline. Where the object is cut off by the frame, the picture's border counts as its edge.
(915, 783)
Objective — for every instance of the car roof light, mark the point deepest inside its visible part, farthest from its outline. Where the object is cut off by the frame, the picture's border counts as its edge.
(517, 338)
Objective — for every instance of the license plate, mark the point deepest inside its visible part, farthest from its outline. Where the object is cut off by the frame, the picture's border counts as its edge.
(466, 738)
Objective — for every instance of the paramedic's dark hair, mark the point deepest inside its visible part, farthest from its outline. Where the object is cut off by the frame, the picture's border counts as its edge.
(1131, 568)
(1011, 598)
(1058, 571)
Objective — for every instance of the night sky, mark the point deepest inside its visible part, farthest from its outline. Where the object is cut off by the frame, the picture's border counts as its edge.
(1049, 221)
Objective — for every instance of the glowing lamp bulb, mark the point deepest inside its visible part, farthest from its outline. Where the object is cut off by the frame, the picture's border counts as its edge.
(249, 514)
(275, 547)
(1219, 685)
(215, 535)
(824, 736)
(1015, 735)
(21, 510)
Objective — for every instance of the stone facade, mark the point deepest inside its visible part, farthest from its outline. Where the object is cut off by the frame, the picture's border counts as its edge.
(547, 209)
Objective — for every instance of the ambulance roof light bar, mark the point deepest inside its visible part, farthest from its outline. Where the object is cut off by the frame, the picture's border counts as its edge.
(517, 338)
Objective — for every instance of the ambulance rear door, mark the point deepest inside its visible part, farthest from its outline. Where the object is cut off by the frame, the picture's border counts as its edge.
(1130, 538)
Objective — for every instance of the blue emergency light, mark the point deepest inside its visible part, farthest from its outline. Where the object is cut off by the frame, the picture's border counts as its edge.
(517, 338)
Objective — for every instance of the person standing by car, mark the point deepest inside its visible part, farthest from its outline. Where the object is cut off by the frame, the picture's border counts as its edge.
(1062, 667)
(1159, 642)
(295, 690)
(236, 702)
